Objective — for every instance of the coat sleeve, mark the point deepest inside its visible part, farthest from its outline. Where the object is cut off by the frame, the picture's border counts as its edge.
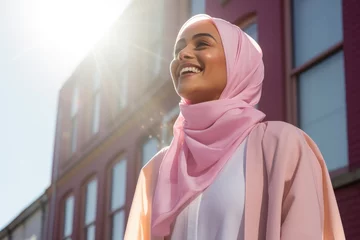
(137, 226)
(139, 220)
(309, 207)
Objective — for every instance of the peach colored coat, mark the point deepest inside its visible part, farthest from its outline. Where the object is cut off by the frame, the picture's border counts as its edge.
(289, 194)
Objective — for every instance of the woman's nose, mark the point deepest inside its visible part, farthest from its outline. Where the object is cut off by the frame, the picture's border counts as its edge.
(185, 54)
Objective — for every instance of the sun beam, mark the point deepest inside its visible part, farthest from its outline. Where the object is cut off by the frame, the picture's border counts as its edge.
(72, 26)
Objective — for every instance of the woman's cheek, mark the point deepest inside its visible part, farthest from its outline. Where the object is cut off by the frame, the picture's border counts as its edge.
(212, 58)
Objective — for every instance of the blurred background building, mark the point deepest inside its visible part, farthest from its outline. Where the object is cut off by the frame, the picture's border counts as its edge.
(114, 114)
(117, 109)
(30, 223)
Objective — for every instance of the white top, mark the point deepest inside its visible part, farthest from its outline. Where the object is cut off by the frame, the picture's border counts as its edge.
(218, 212)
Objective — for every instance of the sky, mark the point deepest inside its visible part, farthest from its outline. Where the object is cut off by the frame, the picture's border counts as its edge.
(41, 43)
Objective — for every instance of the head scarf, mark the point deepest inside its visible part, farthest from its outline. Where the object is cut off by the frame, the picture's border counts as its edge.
(207, 134)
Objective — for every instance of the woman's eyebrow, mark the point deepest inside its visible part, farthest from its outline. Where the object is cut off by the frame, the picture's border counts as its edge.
(194, 37)
(203, 35)
(197, 36)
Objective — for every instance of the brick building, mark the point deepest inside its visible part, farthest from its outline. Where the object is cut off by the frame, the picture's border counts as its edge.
(311, 55)
(118, 107)
(114, 113)
(29, 224)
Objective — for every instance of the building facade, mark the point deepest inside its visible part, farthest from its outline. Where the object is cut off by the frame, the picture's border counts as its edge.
(311, 56)
(114, 113)
(117, 109)
(29, 224)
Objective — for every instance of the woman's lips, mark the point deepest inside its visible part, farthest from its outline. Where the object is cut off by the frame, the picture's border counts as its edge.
(188, 75)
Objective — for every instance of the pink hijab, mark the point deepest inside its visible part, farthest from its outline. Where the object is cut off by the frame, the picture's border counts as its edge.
(207, 134)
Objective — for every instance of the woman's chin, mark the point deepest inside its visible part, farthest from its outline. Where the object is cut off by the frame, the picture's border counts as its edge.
(186, 92)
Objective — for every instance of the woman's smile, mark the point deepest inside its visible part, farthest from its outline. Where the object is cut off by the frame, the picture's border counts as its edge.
(188, 70)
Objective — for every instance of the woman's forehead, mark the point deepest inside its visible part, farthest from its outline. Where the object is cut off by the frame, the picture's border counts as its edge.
(201, 26)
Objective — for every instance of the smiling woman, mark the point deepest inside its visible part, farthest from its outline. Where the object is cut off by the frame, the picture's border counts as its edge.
(183, 192)
(71, 27)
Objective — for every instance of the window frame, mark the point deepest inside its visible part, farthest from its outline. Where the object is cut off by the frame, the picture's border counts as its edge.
(109, 212)
(63, 216)
(74, 135)
(74, 127)
(96, 94)
(293, 72)
(194, 8)
(246, 21)
(120, 52)
(84, 226)
(155, 39)
(249, 23)
(123, 82)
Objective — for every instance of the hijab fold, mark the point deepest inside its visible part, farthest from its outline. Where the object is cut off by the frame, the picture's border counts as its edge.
(207, 134)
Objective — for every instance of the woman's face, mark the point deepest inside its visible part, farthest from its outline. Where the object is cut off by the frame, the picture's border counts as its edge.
(198, 69)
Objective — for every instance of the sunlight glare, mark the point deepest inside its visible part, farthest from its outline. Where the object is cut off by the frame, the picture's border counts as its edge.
(73, 26)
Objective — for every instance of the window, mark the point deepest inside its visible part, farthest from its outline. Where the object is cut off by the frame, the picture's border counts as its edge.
(96, 101)
(119, 47)
(73, 134)
(317, 26)
(75, 101)
(122, 86)
(149, 149)
(155, 37)
(167, 126)
(118, 200)
(96, 116)
(68, 218)
(74, 122)
(252, 31)
(90, 210)
(97, 80)
(318, 68)
(197, 7)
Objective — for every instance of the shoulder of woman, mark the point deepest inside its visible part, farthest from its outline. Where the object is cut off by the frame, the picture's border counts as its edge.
(277, 132)
(277, 141)
(155, 161)
(286, 146)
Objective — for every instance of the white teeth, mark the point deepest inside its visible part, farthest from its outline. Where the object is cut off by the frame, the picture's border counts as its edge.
(190, 69)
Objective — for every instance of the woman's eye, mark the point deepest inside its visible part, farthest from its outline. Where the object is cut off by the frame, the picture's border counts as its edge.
(201, 44)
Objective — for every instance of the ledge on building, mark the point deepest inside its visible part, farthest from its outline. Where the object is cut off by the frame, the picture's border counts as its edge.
(346, 179)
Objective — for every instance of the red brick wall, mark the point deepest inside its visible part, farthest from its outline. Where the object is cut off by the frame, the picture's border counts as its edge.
(269, 16)
(349, 197)
(349, 205)
(351, 17)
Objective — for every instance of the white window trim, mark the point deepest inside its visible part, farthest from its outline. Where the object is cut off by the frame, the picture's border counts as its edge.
(71, 218)
(91, 222)
(121, 160)
(119, 209)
